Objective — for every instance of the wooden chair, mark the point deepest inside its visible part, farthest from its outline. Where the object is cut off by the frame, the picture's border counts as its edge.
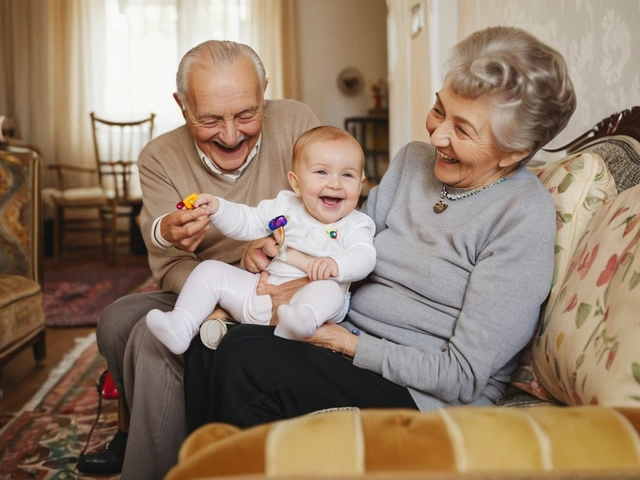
(116, 193)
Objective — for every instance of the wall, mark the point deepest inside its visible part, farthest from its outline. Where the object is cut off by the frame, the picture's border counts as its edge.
(333, 35)
(415, 63)
(600, 41)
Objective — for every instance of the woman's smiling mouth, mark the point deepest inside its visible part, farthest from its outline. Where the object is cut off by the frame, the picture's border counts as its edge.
(446, 158)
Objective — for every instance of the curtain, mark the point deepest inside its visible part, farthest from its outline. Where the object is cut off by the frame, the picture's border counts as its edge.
(62, 59)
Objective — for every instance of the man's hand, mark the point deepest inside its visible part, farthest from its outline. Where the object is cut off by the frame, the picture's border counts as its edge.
(322, 268)
(185, 229)
(258, 254)
(280, 294)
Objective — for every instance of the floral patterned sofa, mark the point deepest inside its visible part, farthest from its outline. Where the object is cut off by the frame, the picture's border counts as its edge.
(577, 387)
(587, 349)
(21, 296)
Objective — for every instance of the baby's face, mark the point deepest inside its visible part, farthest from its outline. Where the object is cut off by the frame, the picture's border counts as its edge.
(328, 178)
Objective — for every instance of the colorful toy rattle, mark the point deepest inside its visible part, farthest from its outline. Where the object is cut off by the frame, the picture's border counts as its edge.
(187, 202)
(278, 224)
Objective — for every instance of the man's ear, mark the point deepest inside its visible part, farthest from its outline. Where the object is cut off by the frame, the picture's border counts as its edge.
(512, 158)
(183, 108)
(293, 181)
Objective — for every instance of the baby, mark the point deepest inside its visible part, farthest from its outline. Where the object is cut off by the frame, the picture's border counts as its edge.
(320, 235)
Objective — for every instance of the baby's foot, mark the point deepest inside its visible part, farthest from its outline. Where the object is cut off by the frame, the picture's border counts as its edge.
(212, 331)
(296, 322)
(174, 329)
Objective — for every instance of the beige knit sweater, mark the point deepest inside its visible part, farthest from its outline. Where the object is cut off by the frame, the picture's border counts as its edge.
(170, 170)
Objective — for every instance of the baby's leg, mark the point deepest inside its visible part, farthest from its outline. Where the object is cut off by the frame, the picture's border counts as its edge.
(309, 308)
(211, 283)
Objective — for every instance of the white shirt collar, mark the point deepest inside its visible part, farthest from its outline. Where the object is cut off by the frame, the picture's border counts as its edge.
(208, 163)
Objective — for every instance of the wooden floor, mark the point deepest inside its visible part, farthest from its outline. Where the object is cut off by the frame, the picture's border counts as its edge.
(21, 377)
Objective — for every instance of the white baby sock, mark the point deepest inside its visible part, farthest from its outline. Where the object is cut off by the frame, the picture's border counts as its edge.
(174, 329)
(296, 322)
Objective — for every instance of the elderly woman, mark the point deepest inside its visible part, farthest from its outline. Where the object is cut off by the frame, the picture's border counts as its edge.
(465, 240)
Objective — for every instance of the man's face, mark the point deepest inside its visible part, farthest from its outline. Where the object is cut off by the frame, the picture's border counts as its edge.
(224, 111)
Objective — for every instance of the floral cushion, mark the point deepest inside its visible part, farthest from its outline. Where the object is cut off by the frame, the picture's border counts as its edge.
(588, 347)
(579, 184)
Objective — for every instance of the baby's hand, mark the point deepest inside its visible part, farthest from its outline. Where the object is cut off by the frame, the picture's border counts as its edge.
(208, 203)
(322, 268)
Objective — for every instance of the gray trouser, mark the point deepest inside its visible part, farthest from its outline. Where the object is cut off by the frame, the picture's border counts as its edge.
(151, 378)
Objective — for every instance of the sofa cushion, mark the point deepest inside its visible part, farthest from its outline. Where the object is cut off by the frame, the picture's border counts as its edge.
(588, 347)
(578, 184)
(587, 442)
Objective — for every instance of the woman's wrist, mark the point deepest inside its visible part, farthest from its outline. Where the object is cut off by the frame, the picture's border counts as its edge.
(350, 343)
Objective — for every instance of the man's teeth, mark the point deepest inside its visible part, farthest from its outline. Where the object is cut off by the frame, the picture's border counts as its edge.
(229, 147)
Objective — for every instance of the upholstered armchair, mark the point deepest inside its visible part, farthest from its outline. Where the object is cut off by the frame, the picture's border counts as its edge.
(21, 294)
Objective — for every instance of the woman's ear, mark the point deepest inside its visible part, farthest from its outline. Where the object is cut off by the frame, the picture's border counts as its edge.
(512, 158)
(293, 181)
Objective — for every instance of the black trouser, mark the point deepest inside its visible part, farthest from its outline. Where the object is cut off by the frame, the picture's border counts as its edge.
(257, 377)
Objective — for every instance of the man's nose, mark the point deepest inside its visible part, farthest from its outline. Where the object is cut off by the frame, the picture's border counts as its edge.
(229, 133)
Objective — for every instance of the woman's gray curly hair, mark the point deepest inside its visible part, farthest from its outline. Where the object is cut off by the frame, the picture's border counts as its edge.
(528, 82)
(218, 54)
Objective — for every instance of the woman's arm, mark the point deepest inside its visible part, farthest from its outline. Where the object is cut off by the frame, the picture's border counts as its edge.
(500, 306)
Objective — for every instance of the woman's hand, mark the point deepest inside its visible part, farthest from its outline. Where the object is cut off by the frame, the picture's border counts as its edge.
(335, 338)
(185, 229)
(258, 254)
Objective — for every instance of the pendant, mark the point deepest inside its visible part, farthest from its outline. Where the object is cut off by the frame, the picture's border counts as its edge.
(440, 207)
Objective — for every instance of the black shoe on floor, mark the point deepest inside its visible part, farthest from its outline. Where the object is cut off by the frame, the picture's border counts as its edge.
(108, 461)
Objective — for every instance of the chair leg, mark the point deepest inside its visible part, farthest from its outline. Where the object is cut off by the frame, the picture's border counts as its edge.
(104, 233)
(40, 347)
(114, 234)
(58, 218)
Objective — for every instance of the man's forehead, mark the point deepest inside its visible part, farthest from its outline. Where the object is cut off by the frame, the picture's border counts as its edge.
(223, 92)
(220, 111)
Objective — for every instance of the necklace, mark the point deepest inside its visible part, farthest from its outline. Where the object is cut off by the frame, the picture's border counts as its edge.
(441, 205)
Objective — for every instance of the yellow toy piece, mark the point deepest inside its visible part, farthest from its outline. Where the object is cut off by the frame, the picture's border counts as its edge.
(190, 201)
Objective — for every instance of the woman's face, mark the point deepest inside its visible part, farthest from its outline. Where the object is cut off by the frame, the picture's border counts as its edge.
(467, 154)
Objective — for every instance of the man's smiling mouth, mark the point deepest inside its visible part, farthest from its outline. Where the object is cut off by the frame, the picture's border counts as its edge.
(230, 149)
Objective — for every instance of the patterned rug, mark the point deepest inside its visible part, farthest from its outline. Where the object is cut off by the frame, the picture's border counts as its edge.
(44, 439)
(75, 297)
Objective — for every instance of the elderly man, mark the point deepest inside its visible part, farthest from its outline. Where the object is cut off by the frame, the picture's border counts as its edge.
(235, 145)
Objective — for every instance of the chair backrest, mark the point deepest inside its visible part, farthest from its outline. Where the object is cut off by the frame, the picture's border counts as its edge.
(117, 145)
(20, 211)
